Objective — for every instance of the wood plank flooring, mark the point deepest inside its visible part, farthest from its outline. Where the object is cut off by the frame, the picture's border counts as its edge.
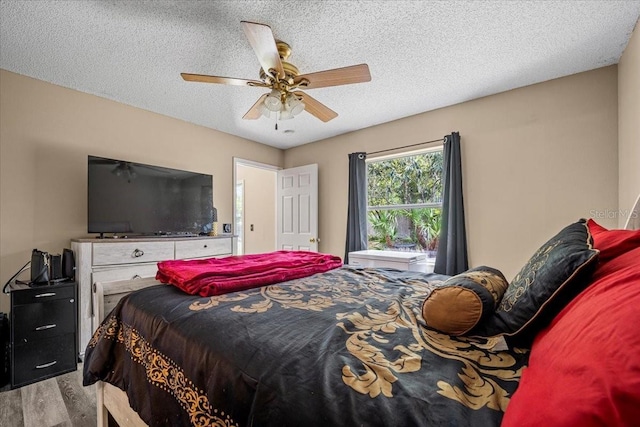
(57, 402)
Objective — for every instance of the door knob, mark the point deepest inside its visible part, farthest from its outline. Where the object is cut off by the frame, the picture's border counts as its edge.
(313, 240)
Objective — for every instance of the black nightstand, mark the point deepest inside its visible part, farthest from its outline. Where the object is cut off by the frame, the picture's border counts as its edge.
(43, 331)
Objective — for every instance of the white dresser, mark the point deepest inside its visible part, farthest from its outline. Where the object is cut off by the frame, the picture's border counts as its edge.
(412, 261)
(106, 260)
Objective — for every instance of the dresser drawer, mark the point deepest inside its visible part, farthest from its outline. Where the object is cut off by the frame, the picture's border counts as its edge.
(200, 248)
(125, 272)
(43, 320)
(131, 252)
(43, 358)
(43, 294)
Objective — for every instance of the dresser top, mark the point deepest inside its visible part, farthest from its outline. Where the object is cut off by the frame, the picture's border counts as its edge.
(15, 286)
(120, 239)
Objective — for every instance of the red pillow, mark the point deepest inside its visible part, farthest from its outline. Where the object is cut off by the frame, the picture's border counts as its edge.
(584, 368)
(612, 243)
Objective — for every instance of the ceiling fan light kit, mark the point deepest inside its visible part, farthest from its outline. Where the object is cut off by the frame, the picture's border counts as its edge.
(284, 79)
(272, 101)
(285, 115)
(264, 111)
(294, 105)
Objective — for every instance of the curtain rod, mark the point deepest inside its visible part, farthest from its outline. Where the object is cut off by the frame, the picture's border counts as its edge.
(405, 146)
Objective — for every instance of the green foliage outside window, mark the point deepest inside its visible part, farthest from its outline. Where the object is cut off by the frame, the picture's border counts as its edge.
(405, 180)
(392, 185)
(385, 227)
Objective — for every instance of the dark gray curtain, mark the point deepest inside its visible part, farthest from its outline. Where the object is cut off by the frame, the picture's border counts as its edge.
(451, 257)
(357, 209)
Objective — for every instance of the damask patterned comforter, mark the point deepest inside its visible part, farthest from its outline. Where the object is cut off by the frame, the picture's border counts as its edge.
(348, 347)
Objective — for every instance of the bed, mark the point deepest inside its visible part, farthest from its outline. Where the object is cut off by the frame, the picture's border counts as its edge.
(351, 347)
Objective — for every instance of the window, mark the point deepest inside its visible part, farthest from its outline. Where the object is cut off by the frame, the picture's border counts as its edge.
(404, 201)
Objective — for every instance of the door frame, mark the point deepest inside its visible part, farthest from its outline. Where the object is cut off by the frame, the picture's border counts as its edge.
(239, 233)
(253, 164)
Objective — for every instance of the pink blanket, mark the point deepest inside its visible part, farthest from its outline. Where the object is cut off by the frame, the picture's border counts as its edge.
(215, 276)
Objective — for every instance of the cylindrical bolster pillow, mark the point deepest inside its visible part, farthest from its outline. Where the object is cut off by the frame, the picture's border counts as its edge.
(454, 310)
(463, 301)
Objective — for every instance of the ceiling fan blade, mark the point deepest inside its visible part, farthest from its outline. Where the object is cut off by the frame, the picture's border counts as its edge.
(221, 80)
(255, 111)
(317, 108)
(263, 43)
(337, 76)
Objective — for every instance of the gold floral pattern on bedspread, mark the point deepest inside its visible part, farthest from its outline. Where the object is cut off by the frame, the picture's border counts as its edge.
(378, 316)
(164, 373)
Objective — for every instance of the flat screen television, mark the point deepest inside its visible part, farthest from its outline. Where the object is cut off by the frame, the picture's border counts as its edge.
(131, 198)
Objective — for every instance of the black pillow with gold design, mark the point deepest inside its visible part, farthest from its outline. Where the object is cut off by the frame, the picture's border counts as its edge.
(557, 272)
(462, 301)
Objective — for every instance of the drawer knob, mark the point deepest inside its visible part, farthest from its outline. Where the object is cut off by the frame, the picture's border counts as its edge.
(136, 277)
(137, 253)
(205, 246)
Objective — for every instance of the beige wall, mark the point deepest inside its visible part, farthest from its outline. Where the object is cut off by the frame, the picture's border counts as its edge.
(46, 133)
(629, 125)
(534, 160)
(259, 208)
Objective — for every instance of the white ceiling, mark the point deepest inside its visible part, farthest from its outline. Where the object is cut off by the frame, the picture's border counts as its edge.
(422, 55)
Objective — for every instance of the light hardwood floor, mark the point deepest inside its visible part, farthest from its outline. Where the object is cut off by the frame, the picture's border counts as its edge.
(57, 402)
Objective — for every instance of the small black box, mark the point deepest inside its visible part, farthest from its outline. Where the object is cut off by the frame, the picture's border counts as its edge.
(68, 264)
(55, 266)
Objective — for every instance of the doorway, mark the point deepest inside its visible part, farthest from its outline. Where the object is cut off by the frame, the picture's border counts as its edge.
(254, 206)
(297, 208)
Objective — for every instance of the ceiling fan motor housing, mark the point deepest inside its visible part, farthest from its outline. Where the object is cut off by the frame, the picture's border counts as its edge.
(290, 70)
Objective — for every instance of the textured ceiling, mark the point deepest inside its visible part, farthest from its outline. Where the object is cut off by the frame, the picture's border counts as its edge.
(422, 55)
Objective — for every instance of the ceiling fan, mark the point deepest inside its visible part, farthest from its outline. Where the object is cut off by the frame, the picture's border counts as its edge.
(284, 79)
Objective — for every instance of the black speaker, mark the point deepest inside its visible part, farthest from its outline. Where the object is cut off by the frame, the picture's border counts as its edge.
(55, 266)
(68, 264)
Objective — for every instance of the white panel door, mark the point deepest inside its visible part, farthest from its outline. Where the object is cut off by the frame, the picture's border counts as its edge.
(297, 210)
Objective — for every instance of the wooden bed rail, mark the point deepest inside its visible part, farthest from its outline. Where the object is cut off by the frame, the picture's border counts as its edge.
(110, 399)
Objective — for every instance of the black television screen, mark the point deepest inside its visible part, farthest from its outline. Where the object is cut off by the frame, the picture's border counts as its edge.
(134, 198)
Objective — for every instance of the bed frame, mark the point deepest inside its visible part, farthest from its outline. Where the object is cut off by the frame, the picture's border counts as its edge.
(112, 400)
